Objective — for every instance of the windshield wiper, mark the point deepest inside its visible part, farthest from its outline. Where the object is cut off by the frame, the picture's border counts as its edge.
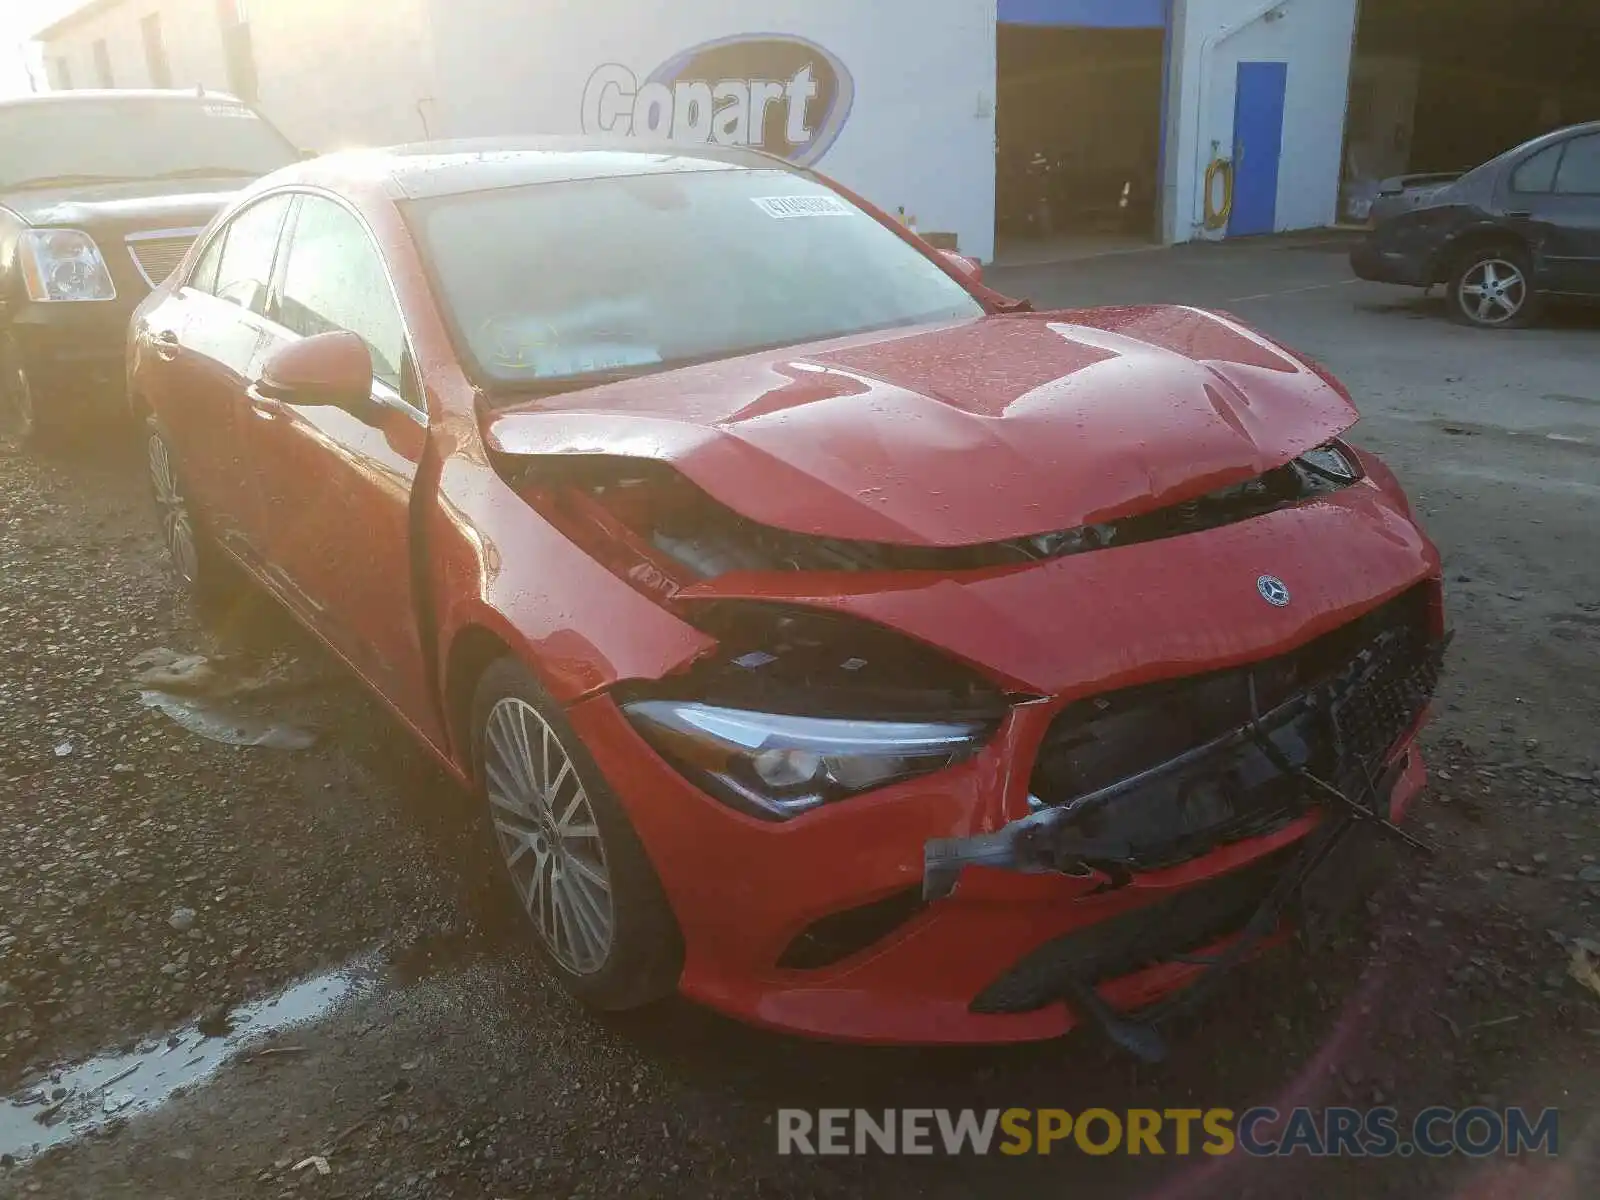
(204, 173)
(47, 181)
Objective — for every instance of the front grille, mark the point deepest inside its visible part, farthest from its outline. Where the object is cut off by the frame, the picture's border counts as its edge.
(158, 255)
(1159, 774)
(1181, 924)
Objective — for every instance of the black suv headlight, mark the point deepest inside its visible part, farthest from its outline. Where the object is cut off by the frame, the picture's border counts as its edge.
(64, 266)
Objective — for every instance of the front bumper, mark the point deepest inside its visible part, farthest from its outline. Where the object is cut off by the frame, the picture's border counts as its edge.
(978, 953)
(75, 357)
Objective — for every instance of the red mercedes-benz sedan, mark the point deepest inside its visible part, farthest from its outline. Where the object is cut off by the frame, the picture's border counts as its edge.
(829, 638)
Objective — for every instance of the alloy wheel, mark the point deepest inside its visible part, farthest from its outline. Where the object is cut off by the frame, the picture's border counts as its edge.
(1493, 291)
(548, 836)
(177, 524)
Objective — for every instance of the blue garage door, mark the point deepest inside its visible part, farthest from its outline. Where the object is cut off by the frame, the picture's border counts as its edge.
(1257, 146)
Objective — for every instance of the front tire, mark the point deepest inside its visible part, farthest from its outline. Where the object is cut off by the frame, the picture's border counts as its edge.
(17, 405)
(1491, 288)
(580, 874)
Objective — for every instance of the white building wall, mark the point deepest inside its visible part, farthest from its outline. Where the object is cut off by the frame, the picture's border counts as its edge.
(1212, 37)
(330, 73)
(189, 30)
(335, 74)
(919, 135)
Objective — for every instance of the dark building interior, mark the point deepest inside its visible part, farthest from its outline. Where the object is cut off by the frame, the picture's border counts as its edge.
(1077, 130)
(1492, 73)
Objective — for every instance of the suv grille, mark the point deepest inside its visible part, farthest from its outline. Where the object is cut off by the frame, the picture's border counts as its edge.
(158, 255)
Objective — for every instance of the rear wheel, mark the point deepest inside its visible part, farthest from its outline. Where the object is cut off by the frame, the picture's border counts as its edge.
(580, 874)
(197, 562)
(1491, 289)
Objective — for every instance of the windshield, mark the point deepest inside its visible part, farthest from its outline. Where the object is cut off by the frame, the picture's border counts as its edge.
(586, 280)
(84, 141)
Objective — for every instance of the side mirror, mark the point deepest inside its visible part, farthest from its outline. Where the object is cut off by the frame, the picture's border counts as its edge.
(970, 267)
(333, 369)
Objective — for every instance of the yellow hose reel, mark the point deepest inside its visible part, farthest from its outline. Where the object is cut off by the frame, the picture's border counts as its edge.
(1217, 214)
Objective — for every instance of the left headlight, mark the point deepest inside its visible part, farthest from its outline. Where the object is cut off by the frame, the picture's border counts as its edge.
(777, 766)
(64, 265)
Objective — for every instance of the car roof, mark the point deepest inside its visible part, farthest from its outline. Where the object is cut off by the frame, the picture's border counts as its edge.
(1493, 167)
(1555, 135)
(425, 170)
(120, 95)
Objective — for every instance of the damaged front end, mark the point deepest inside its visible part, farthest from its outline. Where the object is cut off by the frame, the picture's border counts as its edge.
(841, 668)
(1153, 776)
(1232, 755)
(660, 531)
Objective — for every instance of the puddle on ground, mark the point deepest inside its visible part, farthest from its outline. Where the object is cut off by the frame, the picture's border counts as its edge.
(229, 722)
(74, 1101)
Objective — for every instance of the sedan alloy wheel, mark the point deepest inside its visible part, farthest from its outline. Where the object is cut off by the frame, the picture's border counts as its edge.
(177, 522)
(1492, 290)
(547, 833)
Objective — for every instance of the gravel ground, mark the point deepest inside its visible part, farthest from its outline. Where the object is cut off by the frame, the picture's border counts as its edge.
(148, 874)
(150, 878)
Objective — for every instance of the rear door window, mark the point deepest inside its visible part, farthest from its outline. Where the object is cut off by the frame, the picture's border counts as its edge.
(1580, 168)
(248, 245)
(1538, 173)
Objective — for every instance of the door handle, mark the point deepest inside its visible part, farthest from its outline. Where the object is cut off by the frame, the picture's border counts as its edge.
(166, 344)
(1521, 214)
(263, 407)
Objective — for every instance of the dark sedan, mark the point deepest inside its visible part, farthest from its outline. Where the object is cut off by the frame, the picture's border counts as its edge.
(1502, 237)
(101, 194)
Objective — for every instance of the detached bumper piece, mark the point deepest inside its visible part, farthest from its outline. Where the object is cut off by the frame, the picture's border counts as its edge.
(1187, 922)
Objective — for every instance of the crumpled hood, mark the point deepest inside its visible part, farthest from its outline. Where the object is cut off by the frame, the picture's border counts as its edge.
(959, 434)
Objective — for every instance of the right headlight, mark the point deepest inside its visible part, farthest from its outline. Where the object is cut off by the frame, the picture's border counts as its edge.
(1334, 462)
(62, 265)
(777, 766)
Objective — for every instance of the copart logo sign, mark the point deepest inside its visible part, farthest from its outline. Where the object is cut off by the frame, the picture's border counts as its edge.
(781, 94)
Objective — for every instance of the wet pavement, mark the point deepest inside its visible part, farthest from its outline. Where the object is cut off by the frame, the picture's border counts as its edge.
(306, 959)
(74, 1101)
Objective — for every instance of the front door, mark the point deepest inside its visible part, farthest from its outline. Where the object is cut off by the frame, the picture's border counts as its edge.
(335, 492)
(208, 337)
(1257, 146)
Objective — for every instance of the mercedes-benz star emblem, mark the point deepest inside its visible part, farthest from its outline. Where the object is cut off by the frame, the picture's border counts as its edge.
(1273, 590)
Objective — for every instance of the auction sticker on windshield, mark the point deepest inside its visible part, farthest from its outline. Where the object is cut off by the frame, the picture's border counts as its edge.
(785, 207)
